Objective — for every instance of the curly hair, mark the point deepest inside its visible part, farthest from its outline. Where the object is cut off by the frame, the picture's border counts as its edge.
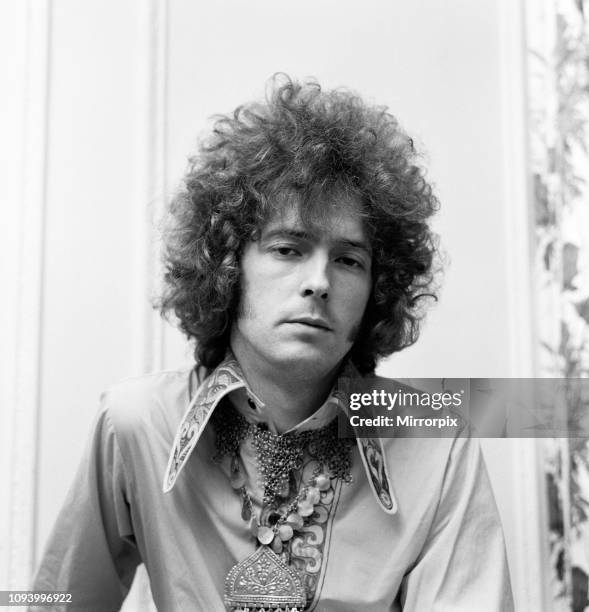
(310, 142)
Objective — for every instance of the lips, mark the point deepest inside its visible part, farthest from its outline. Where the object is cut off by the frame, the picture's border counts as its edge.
(316, 322)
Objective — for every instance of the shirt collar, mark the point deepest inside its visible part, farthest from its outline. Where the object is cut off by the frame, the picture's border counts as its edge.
(227, 378)
(255, 411)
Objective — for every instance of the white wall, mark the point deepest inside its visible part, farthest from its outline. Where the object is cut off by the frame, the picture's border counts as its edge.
(130, 84)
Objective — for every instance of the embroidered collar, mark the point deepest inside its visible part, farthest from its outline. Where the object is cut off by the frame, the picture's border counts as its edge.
(228, 378)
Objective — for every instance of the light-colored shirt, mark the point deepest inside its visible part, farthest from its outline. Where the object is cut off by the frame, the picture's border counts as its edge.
(417, 529)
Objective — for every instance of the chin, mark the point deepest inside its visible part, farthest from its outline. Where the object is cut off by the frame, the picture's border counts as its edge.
(308, 360)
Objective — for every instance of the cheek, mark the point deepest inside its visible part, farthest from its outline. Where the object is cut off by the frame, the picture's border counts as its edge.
(356, 308)
(358, 298)
(354, 331)
(245, 310)
(255, 297)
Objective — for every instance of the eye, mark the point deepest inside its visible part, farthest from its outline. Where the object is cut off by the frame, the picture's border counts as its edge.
(285, 251)
(350, 262)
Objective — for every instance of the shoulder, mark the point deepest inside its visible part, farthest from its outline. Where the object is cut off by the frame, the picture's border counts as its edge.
(157, 399)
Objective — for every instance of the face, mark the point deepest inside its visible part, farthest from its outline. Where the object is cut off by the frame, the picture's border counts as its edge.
(303, 292)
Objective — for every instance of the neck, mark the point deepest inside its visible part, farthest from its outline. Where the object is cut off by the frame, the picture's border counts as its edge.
(290, 398)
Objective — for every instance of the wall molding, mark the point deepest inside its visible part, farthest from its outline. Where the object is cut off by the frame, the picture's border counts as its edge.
(529, 494)
(527, 483)
(152, 179)
(517, 207)
(27, 379)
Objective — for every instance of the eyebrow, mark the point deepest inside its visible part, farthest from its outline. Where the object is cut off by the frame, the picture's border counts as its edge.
(300, 234)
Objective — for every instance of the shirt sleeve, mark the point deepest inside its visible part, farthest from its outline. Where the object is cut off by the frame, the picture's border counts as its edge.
(463, 566)
(91, 552)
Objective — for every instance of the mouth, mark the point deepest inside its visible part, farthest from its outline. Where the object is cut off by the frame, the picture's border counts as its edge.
(312, 322)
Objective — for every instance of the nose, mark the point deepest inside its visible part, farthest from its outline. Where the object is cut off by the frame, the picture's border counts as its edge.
(315, 277)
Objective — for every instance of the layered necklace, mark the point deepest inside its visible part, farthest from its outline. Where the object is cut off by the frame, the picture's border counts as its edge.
(265, 581)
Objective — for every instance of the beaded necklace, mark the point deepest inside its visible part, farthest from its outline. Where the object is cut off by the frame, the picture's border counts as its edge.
(264, 581)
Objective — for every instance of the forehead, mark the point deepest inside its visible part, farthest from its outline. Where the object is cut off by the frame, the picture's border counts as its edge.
(333, 216)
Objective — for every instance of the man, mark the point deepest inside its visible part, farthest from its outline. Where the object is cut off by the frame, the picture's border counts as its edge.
(298, 257)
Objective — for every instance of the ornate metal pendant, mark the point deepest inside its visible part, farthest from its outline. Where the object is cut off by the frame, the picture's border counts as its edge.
(264, 583)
